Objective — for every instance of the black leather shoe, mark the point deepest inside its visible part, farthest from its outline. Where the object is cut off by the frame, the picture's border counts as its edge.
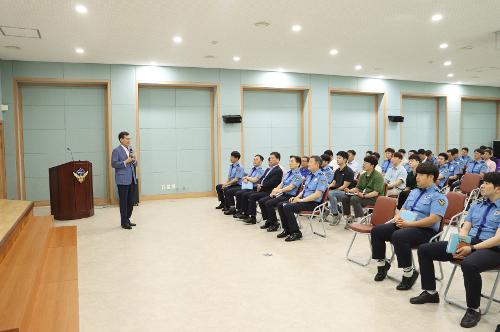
(294, 237)
(425, 297)
(471, 318)
(131, 224)
(273, 228)
(230, 211)
(266, 225)
(220, 206)
(382, 272)
(282, 235)
(250, 221)
(127, 227)
(238, 214)
(408, 282)
(243, 216)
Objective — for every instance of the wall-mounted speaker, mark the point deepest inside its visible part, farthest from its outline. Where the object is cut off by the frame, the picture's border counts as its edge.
(496, 149)
(231, 118)
(396, 118)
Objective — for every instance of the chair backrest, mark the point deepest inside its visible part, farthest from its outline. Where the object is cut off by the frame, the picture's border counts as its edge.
(384, 210)
(469, 182)
(325, 195)
(456, 202)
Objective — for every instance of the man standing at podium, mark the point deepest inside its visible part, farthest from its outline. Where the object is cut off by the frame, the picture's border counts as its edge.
(123, 161)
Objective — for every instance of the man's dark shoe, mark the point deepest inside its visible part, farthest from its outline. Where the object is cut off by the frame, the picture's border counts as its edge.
(382, 272)
(282, 235)
(127, 227)
(408, 282)
(132, 224)
(294, 237)
(250, 220)
(230, 211)
(273, 228)
(238, 214)
(425, 297)
(220, 206)
(266, 225)
(471, 318)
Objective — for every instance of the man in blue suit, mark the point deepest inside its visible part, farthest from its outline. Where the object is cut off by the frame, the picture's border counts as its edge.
(124, 163)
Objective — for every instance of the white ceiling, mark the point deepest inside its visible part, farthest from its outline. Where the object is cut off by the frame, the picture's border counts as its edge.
(394, 38)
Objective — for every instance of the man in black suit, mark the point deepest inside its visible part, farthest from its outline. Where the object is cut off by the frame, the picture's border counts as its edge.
(266, 184)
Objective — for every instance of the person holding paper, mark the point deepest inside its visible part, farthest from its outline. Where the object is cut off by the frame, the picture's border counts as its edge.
(482, 225)
(248, 183)
(416, 223)
(282, 193)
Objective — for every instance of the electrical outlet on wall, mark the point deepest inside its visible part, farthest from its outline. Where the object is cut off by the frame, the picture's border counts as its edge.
(173, 185)
(168, 187)
(162, 187)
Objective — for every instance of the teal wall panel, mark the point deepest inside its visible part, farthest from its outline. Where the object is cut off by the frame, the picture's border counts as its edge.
(478, 123)
(419, 126)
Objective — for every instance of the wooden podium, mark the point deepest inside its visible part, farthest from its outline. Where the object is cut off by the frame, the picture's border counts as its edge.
(71, 191)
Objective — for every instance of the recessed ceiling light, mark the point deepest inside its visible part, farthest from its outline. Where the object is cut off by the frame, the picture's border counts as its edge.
(81, 9)
(334, 51)
(451, 75)
(443, 45)
(79, 50)
(280, 70)
(209, 56)
(437, 17)
(358, 67)
(296, 28)
(458, 82)
(236, 58)
(152, 63)
(380, 77)
(177, 39)
(447, 63)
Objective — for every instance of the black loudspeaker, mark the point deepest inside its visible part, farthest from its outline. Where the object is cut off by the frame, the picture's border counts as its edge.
(231, 118)
(396, 118)
(496, 149)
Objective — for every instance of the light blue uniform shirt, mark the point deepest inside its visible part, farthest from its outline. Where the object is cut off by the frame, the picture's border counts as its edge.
(328, 171)
(315, 181)
(385, 165)
(425, 202)
(236, 171)
(485, 219)
(256, 172)
(444, 171)
(463, 161)
(453, 167)
(292, 177)
(477, 167)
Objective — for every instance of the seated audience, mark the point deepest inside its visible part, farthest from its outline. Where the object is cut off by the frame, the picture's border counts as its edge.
(389, 152)
(444, 170)
(333, 161)
(352, 163)
(490, 164)
(327, 170)
(411, 180)
(482, 224)
(310, 197)
(304, 171)
(234, 178)
(422, 211)
(343, 179)
(395, 177)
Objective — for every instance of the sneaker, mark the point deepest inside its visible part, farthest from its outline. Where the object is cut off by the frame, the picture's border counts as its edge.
(348, 220)
(471, 318)
(335, 219)
(425, 297)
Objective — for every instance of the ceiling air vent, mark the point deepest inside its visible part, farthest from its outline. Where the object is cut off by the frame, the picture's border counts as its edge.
(20, 32)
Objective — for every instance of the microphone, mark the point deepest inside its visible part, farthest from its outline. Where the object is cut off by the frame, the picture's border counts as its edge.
(131, 151)
(72, 158)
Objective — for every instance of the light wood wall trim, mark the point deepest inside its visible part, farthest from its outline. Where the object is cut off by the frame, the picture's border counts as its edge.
(418, 95)
(177, 196)
(214, 99)
(309, 123)
(298, 89)
(446, 124)
(376, 94)
(217, 94)
(480, 98)
(109, 144)
(385, 124)
(18, 83)
(498, 119)
(3, 185)
(437, 127)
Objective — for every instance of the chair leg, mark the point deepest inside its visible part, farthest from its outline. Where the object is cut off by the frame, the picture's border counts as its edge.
(446, 298)
(491, 297)
(349, 250)
(321, 220)
(441, 273)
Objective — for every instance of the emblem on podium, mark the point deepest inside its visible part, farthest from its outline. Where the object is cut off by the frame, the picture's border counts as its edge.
(80, 174)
